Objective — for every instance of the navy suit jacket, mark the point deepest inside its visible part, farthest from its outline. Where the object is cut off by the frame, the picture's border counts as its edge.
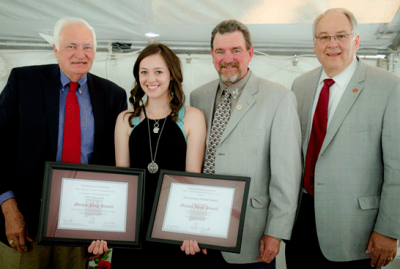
(29, 111)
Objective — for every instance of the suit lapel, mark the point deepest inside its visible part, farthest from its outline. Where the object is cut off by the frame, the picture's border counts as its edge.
(98, 103)
(346, 102)
(51, 92)
(308, 94)
(246, 99)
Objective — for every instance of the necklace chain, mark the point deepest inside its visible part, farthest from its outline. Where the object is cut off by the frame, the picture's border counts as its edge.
(153, 167)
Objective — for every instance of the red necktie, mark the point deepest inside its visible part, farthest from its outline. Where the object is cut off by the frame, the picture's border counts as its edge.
(317, 136)
(72, 128)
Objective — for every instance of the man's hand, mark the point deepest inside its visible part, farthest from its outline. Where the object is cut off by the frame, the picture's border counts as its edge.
(383, 249)
(269, 248)
(16, 228)
(191, 247)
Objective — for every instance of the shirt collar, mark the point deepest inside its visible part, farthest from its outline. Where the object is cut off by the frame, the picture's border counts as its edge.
(65, 80)
(343, 77)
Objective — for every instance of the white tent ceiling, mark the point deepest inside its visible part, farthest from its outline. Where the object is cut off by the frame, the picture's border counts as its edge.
(277, 27)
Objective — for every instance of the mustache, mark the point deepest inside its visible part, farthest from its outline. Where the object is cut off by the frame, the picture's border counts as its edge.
(228, 65)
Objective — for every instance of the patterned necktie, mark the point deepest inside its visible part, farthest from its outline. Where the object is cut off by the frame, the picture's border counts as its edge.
(221, 118)
(72, 128)
(317, 136)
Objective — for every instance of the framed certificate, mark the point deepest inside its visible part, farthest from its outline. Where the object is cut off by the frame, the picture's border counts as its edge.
(82, 203)
(203, 207)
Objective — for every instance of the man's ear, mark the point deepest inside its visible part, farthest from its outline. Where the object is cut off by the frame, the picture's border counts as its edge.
(357, 42)
(251, 51)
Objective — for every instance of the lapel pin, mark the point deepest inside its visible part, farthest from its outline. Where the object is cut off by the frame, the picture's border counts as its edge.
(355, 90)
(239, 107)
(235, 93)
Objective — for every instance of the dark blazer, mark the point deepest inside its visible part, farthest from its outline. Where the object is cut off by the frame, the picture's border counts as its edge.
(29, 111)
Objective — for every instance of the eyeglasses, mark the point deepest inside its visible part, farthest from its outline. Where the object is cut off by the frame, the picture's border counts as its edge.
(327, 38)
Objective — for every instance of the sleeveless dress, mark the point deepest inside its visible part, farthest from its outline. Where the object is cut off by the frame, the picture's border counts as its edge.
(171, 155)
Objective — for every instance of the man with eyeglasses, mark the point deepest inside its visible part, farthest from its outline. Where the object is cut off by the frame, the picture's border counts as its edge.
(349, 213)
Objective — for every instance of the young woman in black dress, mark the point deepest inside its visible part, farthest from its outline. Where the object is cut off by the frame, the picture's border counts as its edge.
(160, 132)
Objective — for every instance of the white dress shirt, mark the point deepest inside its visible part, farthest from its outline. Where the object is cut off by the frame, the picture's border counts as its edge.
(336, 90)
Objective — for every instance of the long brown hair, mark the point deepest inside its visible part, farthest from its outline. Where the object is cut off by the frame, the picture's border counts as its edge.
(175, 86)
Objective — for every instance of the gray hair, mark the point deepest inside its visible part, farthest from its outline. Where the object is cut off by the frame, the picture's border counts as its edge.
(230, 26)
(61, 23)
(349, 15)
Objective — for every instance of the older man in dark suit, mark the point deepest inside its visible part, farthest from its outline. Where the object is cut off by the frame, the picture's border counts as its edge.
(52, 113)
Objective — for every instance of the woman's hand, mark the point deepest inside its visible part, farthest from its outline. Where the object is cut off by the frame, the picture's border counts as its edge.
(191, 247)
(98, 248)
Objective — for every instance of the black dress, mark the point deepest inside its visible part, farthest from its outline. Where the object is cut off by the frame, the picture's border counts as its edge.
(171, 155)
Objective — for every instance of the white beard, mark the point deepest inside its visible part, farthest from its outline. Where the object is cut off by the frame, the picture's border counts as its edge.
(232, 79)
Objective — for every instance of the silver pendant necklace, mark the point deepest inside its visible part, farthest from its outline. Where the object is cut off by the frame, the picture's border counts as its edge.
(156, 126)
(153, 166)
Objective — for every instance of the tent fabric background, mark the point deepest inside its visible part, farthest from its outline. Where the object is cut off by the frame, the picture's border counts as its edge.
(197, 69)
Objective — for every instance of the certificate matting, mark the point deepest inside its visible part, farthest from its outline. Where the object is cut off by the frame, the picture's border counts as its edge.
(198, 209)
(202, 207)
(91, 206)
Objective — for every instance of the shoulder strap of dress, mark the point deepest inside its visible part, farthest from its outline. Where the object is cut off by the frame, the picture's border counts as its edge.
(135, 122)
(179, 122)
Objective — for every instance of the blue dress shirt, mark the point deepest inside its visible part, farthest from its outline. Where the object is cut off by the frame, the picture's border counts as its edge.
(86, 114)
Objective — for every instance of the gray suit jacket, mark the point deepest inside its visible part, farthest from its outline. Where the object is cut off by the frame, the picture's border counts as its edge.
(262, 140)
(357, 175)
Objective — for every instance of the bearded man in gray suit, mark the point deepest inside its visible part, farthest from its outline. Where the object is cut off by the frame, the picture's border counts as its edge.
(349, 214)
(261, 139)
